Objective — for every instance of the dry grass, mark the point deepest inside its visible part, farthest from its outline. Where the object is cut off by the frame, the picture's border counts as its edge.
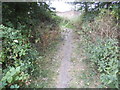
(105, 27)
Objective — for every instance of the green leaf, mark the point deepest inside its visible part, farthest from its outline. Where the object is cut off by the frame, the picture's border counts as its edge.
(16, 86)
(17, 78)
(9, 79)
(4, 78)
(18, 69)
(12, 86)
(13, 73)
(12, 69)
(20, 78)
(2, 84)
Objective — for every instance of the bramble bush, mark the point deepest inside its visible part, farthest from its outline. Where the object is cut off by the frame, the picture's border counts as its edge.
(29, 28)
(17, 58)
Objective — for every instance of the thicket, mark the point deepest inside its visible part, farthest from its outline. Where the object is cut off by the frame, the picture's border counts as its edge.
(25, 28)
(101, 40)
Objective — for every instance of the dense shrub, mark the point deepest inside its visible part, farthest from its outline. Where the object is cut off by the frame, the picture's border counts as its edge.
(17, 57)
(27, 28)
(104, 54)
(100, 34)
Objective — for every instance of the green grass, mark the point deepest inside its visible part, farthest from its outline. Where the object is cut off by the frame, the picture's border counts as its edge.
(66, 23)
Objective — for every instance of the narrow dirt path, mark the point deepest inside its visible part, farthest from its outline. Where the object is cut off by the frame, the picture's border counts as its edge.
(65, 56)
(73, 71)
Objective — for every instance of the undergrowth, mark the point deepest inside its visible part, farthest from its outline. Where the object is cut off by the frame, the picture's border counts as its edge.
(45, 73)
(67, 23)
(17, 58)
(101, 45)
(28, 30)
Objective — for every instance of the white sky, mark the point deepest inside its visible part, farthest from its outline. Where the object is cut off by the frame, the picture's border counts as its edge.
(61, 6)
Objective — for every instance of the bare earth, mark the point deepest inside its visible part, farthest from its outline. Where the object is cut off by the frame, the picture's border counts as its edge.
(65, 55)
(72, 68)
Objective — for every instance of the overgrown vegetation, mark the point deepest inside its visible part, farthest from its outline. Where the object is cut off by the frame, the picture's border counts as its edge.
(100, 31)
(30, 30)
(17, 57)
(27, 30)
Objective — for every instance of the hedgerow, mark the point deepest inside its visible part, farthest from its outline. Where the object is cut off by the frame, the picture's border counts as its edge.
(27, 30)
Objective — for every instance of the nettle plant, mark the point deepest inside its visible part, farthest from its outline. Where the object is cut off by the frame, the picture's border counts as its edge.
(17, 58)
